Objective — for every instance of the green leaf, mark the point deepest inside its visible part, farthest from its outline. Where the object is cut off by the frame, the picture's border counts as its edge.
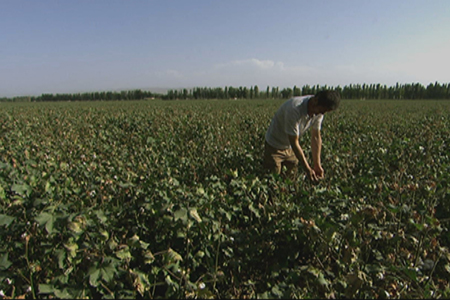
(101, 216)
(46, 289)
(104, 235)
(94, 275)
(126, 184)
(124, 254)
(412, 274)
(226, 213)
(170, 282)
(180, 214)
(72, 248)
(144, 245)
(420, 227)
(4, 262)
(48, 187)
(21, 189)
(322, 281)
(134, 240)
(174, 256)
(108, 272)
(6, 220)
(277, 292)
(44, 218)
(149, 257)
(75, 227)
(140, 281)
(47, 219)
(61, 255)
(194, 214)
(447, 268)
(2, 194)
(254, 210)
(64, 294)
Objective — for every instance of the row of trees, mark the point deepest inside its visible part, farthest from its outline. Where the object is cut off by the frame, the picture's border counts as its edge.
(351, 91)
(106, 96)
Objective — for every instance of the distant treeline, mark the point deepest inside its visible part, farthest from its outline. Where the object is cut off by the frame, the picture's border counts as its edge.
(95, 96)
(352, 91)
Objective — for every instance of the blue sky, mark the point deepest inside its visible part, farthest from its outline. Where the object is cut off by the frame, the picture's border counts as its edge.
(100, 45)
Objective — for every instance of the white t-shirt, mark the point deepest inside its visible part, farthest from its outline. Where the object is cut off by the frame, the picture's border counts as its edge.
(291, 119)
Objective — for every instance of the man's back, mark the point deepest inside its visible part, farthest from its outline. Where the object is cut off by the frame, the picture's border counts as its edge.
(291, 118)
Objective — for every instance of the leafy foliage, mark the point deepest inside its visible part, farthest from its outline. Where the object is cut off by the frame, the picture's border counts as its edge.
(168, 200)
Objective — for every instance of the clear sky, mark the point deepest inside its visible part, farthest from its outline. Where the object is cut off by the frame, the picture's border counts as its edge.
(51, 46)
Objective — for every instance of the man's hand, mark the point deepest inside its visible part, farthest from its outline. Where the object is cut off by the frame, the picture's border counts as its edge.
(318, 170)
(311, 175)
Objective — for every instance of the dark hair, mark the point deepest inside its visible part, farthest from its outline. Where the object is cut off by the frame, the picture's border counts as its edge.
(329, 99)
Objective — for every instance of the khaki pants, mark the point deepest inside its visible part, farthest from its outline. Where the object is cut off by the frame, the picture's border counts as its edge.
(275, 159)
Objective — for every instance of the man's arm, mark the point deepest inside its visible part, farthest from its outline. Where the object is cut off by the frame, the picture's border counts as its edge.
(316, 148)
(293, 139)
